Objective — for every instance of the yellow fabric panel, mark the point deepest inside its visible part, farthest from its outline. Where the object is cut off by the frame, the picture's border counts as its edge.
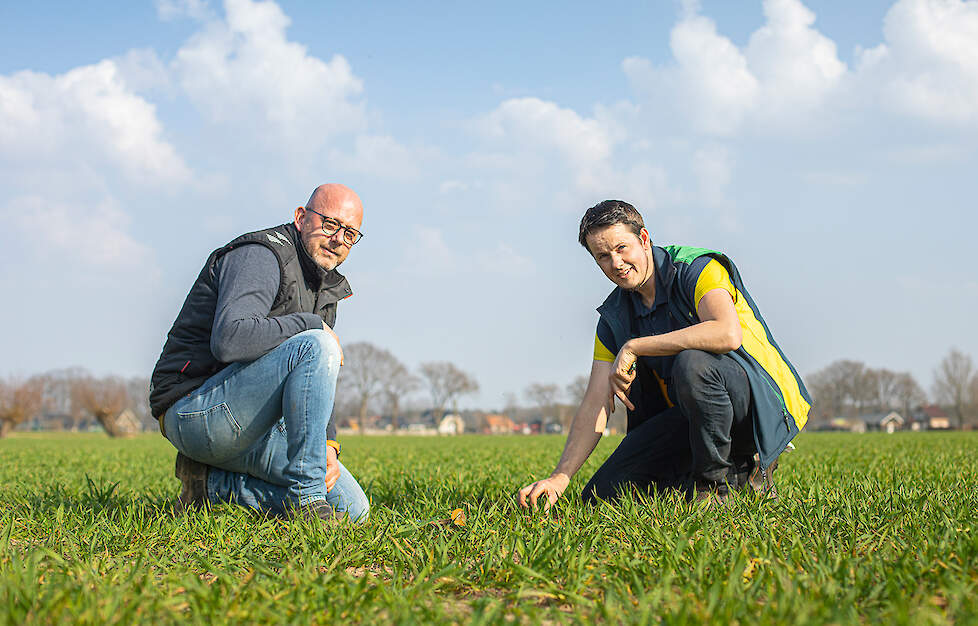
(755, 340)
(758, 345)
(713, 276)
(663, 389)
(601, 353)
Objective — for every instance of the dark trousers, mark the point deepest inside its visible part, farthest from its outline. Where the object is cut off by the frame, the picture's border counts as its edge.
(705, 441)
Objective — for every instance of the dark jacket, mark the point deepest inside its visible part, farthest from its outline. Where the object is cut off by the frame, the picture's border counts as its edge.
(187, 360)
(779, 401)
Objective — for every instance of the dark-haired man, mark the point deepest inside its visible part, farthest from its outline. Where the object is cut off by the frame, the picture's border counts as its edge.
(244, 387)
(682, 345)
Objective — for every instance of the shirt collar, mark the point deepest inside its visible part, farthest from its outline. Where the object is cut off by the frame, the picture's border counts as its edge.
(665, 272)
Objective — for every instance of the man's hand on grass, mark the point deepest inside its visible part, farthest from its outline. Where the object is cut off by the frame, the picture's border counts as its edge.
(550, 488)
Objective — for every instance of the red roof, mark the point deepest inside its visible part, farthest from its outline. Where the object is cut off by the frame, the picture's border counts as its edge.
(932, 410)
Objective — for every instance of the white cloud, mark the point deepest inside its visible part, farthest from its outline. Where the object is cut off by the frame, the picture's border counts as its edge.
(142, 71)
(243, 71)
(712, 167)
(83, 119)
(452, 186)
(789, 77)
(835, 179)
(505, 260)
(173, 9)
(796, 66)
(710, 83)
(928, 65)
(929, 153)
(787, 69)
(427, 253)
(539, 151)
(77, 238)
(381, 156)
(538, 123)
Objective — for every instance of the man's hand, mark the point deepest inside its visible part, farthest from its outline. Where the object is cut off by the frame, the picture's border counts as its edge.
(330, 331)
(551, 487)
(332, 468)
(622, 376)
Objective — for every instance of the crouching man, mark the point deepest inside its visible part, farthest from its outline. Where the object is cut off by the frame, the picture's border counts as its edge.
(245, 385)
(683, 346)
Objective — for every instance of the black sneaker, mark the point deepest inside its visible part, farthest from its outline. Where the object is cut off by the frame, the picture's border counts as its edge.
(193, 483)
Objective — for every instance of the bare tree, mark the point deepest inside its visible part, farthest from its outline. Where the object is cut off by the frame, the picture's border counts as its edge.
(137, 392)
(511, 404)
(19, 401)
(973, 389)
(345, 403)
(543, 396)
(58, 396)
(576, 390)
(396, 382)
(363, 373)
(859, 385)
(446, 382)
(881, 387)
(831, 388)
(907, 393)
(952, 379)
(103, 398)
(849, 387)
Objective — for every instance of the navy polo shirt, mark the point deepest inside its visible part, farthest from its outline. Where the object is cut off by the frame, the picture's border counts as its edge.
(655, 320)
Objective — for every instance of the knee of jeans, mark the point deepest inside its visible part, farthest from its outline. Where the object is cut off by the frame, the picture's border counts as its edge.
(599, 488)
(690, 366)
(360, 512)
(322, 345)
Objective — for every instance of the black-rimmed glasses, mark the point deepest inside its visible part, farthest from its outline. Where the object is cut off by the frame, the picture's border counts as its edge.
(332, 226)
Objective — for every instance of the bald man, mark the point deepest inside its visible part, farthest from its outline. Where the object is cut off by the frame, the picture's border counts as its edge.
(245, 385)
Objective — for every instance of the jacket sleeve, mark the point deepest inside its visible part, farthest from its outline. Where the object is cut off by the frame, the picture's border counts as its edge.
(247, 283)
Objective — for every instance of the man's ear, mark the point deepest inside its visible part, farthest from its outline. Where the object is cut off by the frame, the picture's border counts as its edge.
(646, 238)
(299, 214)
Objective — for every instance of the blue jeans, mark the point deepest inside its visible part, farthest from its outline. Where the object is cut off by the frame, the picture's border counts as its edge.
(261, 426)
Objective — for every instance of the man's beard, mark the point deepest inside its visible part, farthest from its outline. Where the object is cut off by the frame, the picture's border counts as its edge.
(316, 253)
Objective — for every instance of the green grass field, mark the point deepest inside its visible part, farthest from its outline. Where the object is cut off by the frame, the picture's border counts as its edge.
(869, 529)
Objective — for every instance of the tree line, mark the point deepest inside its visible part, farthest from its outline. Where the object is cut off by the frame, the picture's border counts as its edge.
(850, 388)
(373, 381)
(75, 399)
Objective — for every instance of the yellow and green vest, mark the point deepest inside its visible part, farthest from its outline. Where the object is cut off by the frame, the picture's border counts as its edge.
(780, 401)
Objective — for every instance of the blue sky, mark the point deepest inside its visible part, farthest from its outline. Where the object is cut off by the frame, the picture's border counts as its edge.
(828, 147)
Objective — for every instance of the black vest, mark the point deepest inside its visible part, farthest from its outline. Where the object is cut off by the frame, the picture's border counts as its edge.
(186, 361)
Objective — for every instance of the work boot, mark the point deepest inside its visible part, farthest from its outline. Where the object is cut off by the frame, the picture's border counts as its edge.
(711, 493)
(193, 483)
(762, 480)
(318, 509)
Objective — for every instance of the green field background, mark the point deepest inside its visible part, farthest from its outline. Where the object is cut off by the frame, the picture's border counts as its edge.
(870, 528)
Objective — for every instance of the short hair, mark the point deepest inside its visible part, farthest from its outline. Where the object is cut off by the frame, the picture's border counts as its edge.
(609, 213)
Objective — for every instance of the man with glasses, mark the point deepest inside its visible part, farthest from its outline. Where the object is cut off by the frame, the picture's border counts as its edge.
(245, 384)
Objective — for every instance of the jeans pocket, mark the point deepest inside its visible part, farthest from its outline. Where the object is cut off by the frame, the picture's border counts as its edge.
(208, 434)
